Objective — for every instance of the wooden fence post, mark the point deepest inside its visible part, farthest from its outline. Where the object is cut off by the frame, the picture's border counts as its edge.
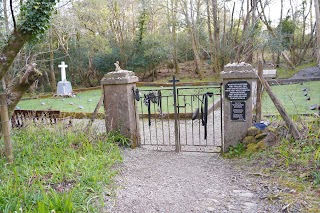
(292, 127)
(259, 93)
(5, 123)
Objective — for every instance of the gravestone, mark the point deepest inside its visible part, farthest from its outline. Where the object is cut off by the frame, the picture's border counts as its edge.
(64, 87)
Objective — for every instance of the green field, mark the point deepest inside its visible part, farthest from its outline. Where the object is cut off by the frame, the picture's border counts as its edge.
(83, 102)
(87, 101)
(291, 96)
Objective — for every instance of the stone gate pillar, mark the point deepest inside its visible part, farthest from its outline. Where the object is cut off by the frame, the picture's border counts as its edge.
(237, 102)
(119, 104)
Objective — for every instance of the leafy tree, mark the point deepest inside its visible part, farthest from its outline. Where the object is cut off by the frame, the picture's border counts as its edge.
(287, 31)
(33, 20)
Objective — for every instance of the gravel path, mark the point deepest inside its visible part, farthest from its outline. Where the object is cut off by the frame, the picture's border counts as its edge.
(152, 181)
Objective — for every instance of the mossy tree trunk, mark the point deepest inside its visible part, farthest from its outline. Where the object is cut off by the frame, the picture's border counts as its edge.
(36, 15)
(16, 41)
(20, 85)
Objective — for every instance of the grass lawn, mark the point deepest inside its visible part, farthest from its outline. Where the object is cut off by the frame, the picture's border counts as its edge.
(291, 96)
(83, 102)
(86, 101)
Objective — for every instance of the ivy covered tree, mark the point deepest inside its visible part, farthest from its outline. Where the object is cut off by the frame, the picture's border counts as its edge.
(28, 26)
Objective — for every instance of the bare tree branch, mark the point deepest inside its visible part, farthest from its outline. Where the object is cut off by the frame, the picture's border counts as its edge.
(13, 17)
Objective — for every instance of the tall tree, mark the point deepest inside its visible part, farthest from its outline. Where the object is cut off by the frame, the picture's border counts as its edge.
(211, 42)
(317, 12)
(35, 16)
(191, 14)
(253, 27)
(263, 18)
(216, 36)
(174, 9)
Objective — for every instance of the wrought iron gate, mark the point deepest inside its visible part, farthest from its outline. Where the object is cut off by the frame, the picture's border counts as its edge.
(180, 118)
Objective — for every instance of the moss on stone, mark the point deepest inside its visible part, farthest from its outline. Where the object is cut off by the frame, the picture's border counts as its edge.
(248, 140)
(271, 129)
(251, 148)
(261, 136)
(255, 147)
(253, 131)
(261, 145)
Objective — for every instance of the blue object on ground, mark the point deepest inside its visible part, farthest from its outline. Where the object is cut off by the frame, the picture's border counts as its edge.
(262, 125)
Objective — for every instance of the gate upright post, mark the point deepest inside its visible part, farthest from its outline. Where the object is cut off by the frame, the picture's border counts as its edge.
(119, 104)
(176, 128)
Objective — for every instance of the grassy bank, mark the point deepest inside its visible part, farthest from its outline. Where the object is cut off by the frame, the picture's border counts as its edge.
(57, 170)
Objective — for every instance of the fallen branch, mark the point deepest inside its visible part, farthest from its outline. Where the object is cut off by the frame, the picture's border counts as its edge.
(94, 114)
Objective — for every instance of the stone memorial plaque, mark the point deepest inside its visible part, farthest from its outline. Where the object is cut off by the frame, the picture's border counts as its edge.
(238, 110)
(237, 90)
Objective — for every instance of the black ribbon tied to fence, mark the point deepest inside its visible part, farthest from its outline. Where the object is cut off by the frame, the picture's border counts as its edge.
(204, 112)
(151, 97)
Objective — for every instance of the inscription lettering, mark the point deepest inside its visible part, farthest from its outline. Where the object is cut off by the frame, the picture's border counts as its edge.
(237, 90)
(238, 110)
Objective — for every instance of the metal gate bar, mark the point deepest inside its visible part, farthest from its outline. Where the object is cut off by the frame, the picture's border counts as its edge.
(157, 124)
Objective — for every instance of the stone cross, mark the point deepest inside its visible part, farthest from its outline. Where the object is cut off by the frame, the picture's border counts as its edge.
(63, 67)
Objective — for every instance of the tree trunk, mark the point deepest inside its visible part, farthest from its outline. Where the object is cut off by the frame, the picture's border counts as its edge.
(223, 44)
(270, 29)
(192, 34)
(241, 45)
(280, 28)
(211, 42)
(253, 24)
(16, 90)
(9, 52)
(174, 8)
(5, 16)
(307, 45)
(195, 53)
(52, 75)
(216, 35)
(5, 128)
(236, 42)
(259, 93)
(317, 11)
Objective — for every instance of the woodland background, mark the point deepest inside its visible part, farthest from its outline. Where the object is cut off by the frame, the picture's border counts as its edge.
(146, 36)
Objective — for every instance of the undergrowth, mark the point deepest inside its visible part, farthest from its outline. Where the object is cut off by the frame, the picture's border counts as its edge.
(295, 164)
(301, 157)
(57, 170)
(236, 151)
